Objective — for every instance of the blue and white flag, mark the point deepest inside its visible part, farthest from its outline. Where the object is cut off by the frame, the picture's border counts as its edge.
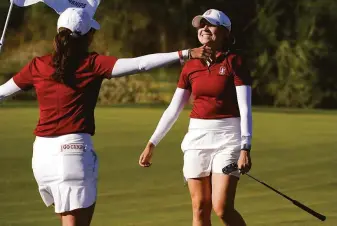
(60, 5)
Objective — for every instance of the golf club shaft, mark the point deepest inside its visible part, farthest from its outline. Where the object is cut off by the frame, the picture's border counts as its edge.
(296, 203)
(6, 25)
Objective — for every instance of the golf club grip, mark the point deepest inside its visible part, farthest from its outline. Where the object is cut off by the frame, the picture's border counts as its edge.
(307, 209)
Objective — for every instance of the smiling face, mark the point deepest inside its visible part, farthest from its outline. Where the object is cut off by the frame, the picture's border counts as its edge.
(211, 35)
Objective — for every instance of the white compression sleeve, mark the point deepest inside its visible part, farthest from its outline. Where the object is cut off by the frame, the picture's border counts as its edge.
(244, 95)
(171, 114)
(128, 66)
(8, 89)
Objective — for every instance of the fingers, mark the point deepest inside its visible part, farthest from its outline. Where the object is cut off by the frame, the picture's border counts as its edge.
(140, 161)
(144, 160)
(203, 52)
(244, 168)
(206, 52)
(244, 162)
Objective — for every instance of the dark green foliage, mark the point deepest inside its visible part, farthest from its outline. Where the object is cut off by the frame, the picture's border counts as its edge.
(291, 46)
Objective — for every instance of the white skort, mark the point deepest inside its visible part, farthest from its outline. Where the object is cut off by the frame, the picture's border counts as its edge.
(210, 145)
(65, 168)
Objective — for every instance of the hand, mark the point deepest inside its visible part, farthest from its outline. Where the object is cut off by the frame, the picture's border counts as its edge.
(146, 156)
(203, 52)
(244, 162)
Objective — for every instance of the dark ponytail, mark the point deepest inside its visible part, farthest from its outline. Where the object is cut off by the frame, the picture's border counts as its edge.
(69, 51)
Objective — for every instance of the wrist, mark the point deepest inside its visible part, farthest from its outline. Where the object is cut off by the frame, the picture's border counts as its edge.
(184, 55)
(246, 147)
(151, 144)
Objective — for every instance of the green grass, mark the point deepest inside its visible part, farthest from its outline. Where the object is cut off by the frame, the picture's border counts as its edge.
(292, 152)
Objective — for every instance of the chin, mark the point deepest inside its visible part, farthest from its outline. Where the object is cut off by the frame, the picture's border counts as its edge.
(208, 42)
(204, 42)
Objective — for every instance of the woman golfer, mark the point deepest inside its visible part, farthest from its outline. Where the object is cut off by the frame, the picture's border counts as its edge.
(220, 127)
(67, 84)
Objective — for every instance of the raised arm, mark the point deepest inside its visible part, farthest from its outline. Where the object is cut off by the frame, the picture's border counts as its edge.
(128, 66)
(169, 117)
(8, 89)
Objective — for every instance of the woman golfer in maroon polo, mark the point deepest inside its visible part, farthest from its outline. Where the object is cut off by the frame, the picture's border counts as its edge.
(220, 127)
(67, 84)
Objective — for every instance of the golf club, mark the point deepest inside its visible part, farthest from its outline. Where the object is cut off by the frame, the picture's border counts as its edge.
(233, 167)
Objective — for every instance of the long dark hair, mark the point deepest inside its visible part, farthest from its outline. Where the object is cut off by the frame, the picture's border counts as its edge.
(229, 43)
(69, 51)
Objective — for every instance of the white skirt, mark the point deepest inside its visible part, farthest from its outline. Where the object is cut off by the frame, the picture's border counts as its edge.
(210, 145)
(65, 169)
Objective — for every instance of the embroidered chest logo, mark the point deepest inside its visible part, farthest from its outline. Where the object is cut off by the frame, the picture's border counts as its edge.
(222, 70)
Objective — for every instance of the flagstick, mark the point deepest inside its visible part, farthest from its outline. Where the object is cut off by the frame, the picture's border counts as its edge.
(6, 24)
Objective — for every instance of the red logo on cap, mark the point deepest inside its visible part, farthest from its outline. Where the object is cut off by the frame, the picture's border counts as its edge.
(208, 12)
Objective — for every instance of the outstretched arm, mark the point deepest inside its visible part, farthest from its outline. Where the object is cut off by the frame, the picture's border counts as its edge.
(128, 66)
(8, 89)
(171, 114)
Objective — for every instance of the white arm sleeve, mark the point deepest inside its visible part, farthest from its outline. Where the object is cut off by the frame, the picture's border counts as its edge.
(129, 66)
(244, 95)
(8, 89)
(171, 114)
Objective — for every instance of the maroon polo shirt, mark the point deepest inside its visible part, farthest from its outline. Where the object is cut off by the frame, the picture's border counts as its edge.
(64, 109)
(213, 87)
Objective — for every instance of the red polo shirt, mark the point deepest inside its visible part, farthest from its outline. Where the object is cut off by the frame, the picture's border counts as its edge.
(64, 109)
(213, 87)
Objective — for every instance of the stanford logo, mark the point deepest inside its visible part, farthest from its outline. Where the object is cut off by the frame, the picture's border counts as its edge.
(208, 12)
(222, 70)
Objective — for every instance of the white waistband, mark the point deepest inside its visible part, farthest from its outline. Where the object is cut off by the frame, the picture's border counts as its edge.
(214, 124)
(68, 138)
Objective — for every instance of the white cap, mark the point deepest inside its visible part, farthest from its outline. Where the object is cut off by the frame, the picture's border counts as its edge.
(77, 20)
(215, 17)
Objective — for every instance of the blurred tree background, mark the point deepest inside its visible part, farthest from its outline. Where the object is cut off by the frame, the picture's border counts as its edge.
(291, 46)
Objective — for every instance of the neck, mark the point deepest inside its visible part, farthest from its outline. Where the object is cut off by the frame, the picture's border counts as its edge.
(216, 47)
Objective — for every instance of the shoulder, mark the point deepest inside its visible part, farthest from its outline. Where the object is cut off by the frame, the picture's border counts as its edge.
(235, 54)
(237, 57)
(40, 63)
(93, 55)
(99, 58)
(46, 59)
(191, 65)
